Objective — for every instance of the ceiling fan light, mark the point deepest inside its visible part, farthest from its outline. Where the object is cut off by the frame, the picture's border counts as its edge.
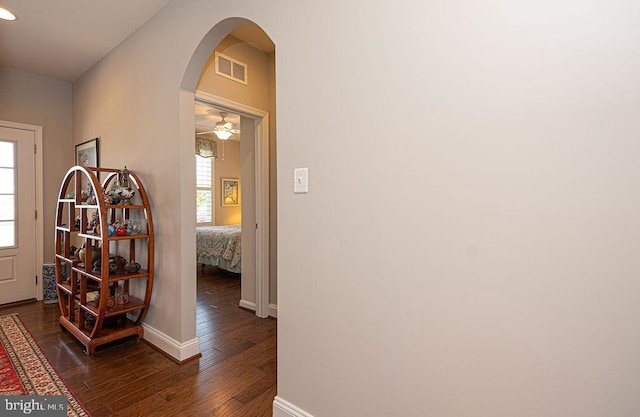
(222, 134)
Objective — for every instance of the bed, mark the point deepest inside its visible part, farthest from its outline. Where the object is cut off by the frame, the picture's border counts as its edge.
(219, 246)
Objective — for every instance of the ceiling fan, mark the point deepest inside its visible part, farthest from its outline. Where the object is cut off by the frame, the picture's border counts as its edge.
(223, 129)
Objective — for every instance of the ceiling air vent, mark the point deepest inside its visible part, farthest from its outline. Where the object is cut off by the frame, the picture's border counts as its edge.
(231, 68)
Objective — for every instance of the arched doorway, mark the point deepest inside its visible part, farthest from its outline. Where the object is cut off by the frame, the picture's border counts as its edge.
(258, 283)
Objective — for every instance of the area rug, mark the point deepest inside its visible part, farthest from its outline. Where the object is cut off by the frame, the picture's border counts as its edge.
(25, 370)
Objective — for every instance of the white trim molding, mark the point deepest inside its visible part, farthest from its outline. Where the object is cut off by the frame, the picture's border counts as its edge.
(178, 351)
(273, 308)
(283, 408)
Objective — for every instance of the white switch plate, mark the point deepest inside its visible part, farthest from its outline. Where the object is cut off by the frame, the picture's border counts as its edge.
(301, 180)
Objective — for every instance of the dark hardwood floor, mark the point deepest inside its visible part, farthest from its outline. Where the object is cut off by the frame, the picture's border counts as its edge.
(236, 375)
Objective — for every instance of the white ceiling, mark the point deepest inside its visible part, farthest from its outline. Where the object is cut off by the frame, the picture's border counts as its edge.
(62, 39)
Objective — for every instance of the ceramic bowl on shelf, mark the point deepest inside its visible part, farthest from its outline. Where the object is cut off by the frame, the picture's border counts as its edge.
(132, 267)
(125, 194)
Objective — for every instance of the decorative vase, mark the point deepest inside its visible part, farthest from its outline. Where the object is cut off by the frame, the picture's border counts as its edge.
(122, 188)
(122, 298)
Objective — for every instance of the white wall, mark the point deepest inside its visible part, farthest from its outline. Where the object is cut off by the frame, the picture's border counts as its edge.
(469, 243)
(32, 99)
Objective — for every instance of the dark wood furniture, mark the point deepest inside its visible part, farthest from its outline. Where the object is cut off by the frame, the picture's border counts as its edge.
(87, 290)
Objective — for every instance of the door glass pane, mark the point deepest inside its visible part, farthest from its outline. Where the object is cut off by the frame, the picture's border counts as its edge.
(7, 154)
(7, 207)
(7, 191)
(7, 234)
(7, 181)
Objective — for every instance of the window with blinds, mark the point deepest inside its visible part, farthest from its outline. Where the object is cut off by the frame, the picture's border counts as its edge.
(204, 190)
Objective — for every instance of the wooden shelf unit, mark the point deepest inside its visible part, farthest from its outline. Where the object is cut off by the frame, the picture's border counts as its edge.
(94, 322)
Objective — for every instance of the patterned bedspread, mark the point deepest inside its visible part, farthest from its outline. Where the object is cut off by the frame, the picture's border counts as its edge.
(219, 246)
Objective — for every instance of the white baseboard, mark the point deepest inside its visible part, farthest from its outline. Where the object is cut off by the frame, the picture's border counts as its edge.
(283, 408)
(249, 305)
(173, 348)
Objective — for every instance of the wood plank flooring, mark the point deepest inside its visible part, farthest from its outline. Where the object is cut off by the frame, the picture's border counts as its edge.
(236, 375)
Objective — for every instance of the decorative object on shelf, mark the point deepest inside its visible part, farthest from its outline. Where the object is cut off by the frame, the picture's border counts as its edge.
(111, 301)
(111, 197)
(95, 254)
(134, 227)
(119, 261)
(111, 229)
(122, 297)
(113, 268)
(94, 223)
(132, 267)
(121, 231)
(123, 188)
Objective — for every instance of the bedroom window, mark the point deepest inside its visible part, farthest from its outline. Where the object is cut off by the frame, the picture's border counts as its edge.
(204, 190)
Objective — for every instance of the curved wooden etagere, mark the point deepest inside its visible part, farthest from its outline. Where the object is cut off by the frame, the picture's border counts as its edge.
(96, 320)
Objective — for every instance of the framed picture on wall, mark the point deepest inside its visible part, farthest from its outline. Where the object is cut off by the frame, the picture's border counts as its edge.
(87, 153)
(230, 192)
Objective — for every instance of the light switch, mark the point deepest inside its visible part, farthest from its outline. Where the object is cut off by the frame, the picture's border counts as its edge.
(301, 180)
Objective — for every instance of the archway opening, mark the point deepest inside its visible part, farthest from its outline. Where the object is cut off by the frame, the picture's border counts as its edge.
(247, 48)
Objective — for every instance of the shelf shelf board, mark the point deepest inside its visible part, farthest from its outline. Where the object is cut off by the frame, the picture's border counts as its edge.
(90, 236)
(128, 237)
(66, 287)
(94, 308)
(90, 274)
(107, 333)
(119, 275)
(123, 276)
(73, 260)
(125, 206)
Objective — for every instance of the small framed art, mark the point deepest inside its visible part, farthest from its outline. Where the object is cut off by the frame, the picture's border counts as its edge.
(87, 153)
(230, 192)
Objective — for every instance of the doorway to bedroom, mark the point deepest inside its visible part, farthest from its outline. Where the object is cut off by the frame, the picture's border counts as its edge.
(241, 194)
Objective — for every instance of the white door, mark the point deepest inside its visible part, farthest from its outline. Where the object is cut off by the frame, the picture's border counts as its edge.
(17, 215)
